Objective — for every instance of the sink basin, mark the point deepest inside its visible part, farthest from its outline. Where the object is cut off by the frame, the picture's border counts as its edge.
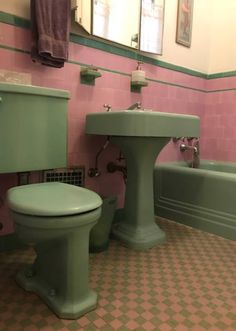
(142, 123)
(140, 135)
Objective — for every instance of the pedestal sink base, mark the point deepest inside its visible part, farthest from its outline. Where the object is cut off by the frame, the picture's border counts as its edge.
(141, 238)
(137, 227)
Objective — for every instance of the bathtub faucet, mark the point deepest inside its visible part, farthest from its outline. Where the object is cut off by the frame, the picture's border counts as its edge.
(136, 105)
(195, 151)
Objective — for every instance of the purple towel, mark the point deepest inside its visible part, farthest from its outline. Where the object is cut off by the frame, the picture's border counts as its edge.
(50, 24)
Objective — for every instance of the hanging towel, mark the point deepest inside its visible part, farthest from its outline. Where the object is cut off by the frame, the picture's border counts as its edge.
(50, 24)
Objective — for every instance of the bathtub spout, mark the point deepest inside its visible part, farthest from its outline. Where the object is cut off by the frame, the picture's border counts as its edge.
(195, 153)
(136, 105)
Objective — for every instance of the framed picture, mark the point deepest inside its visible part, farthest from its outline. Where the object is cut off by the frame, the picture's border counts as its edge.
(184, 22)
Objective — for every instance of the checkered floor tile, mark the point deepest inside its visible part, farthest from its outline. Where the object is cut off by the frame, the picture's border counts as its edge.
(188, 283)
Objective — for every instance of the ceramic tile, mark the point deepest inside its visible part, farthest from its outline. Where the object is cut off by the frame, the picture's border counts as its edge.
(187, 283)
(114, 89)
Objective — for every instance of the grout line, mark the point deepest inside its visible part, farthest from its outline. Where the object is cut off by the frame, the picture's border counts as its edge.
(14, 49)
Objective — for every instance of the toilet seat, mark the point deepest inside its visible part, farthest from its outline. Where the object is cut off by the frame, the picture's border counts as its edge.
(52, 199)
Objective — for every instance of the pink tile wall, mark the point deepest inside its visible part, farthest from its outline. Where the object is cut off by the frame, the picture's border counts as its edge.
(112, 88)
(218, 136)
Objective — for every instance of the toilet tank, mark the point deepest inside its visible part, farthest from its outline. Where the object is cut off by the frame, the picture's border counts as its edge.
(33, 128)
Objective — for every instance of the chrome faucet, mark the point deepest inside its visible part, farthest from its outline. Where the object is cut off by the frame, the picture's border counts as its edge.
(195, 150)
(107, 107)
(136, 105)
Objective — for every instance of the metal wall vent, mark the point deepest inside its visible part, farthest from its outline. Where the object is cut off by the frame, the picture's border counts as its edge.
(73, 176)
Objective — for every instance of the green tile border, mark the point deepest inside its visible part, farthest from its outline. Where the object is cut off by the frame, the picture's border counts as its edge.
(101, 45)
(14, 20)
(222, 75)
(131, 54)
(117, 50)
(14, 49)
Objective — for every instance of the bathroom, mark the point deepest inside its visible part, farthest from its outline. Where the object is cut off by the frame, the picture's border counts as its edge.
(197, 80)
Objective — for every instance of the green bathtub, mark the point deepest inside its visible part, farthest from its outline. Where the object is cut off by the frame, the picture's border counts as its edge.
(203, 198)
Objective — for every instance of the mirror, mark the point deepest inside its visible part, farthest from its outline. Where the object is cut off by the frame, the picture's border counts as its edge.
(134, 23)
(117, 20)
(151, 26)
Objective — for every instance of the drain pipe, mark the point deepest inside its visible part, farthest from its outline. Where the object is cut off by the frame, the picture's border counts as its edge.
(113, 167)
(94, 172)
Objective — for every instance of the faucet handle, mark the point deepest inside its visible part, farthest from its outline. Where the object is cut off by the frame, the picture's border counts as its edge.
(107, 107)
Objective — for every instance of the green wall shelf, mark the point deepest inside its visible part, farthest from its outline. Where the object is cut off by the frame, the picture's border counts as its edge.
(88, 75)
(137, 86)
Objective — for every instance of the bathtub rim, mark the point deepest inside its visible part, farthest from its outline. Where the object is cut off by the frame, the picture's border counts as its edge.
(182, 166)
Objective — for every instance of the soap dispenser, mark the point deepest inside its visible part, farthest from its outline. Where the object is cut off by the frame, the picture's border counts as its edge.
(138, 79)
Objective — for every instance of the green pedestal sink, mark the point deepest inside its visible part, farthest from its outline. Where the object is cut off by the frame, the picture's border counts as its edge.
(140, 135)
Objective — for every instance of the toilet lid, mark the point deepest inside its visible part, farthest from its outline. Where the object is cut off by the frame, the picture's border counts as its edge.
(52, 199)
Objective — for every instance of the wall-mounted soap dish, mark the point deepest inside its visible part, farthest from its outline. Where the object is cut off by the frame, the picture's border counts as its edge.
(137, 86)
(88, 75)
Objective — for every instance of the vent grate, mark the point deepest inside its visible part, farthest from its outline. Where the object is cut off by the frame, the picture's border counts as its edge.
(73, 176)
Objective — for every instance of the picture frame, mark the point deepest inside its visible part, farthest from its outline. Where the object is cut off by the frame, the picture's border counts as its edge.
(184, 22)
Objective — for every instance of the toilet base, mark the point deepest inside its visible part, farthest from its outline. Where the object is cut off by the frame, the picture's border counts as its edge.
(63, 309)
(60, 271)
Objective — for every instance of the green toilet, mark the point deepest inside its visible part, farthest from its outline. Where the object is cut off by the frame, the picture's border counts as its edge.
(55, 218)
